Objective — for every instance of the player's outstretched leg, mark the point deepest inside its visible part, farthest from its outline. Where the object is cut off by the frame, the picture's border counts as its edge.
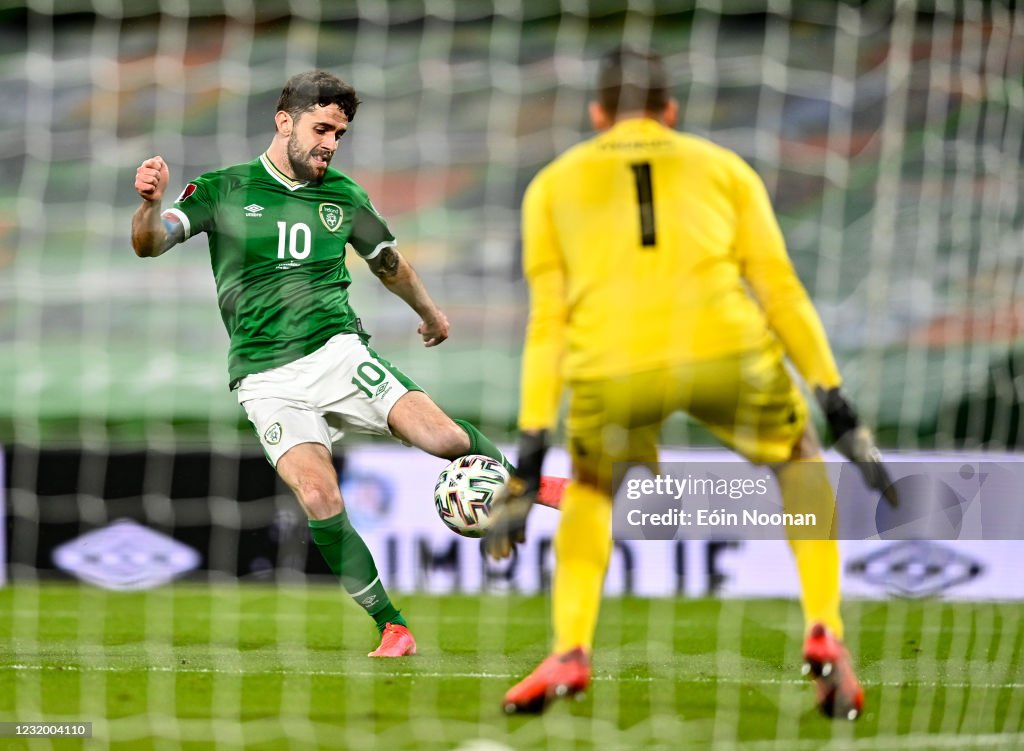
(839, 693)
(560, 676)
(481, 444)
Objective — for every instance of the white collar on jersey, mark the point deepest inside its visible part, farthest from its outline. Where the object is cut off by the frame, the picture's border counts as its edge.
(278, 175)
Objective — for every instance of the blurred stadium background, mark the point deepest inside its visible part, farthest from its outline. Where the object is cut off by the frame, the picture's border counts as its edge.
(891, 141)
(890, 134)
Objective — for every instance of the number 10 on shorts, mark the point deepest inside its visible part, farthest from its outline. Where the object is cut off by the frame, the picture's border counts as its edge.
(368, 377)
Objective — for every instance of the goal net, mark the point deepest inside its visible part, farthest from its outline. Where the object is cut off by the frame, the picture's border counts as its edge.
(891, 138)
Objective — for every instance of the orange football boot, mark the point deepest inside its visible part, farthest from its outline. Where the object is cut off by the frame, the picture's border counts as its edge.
(559, 676)
(828, 663)
(396, 641)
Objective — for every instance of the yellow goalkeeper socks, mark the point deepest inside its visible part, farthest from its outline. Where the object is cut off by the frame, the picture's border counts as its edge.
(805, 488)
(583, 546)
(817, 562)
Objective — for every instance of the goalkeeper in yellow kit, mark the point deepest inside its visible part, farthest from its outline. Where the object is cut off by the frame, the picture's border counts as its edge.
(659, 282)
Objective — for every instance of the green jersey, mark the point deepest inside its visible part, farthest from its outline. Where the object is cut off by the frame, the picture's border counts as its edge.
(277, 247)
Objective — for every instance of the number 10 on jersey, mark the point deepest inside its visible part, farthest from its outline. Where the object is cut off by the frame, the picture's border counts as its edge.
(296, 241)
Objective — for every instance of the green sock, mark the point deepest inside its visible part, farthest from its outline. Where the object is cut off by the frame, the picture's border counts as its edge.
(481, 444)
(350, 560)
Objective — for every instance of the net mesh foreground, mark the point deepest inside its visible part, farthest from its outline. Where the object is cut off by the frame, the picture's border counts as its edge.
(890, 136)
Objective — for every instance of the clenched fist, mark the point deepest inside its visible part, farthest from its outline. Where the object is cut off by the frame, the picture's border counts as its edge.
(151, 179)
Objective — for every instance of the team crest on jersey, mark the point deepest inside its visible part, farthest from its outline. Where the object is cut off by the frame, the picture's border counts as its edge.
(273, 434)
(331, 215)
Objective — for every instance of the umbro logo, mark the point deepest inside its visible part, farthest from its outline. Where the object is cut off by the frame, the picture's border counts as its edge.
(253, 209)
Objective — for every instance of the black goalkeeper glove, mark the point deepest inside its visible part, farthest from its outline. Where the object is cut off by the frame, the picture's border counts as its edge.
(514, 502)
(854, 441)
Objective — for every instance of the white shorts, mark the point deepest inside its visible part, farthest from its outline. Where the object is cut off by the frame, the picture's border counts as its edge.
(343, 386)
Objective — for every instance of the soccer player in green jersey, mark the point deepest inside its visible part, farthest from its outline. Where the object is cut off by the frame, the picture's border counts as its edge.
(277, 229)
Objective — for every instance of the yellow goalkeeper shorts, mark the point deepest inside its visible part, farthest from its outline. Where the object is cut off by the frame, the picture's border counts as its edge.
(749, 402)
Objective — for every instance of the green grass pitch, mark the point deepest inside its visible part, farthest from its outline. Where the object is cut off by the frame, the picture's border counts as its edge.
(253, 666)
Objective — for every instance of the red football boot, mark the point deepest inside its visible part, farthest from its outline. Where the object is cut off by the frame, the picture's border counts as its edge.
(396, 641)
(827, 661)
(559, 676)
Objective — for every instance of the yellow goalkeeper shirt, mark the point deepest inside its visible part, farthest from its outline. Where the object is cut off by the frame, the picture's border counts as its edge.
(644, 247)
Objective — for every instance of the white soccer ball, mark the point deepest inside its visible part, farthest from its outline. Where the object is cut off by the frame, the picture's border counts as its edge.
(464, 491)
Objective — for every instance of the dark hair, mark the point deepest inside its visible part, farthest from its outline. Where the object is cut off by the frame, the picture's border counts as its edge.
(630, 81)
(306, 90)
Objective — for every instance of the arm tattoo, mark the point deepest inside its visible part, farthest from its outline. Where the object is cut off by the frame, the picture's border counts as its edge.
(175, 232)
(385, 264)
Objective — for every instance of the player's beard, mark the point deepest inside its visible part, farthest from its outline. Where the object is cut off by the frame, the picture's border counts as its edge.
(299, 159)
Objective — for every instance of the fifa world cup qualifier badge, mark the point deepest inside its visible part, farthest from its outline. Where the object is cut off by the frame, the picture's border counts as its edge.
(189, 190)
(331, 216)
